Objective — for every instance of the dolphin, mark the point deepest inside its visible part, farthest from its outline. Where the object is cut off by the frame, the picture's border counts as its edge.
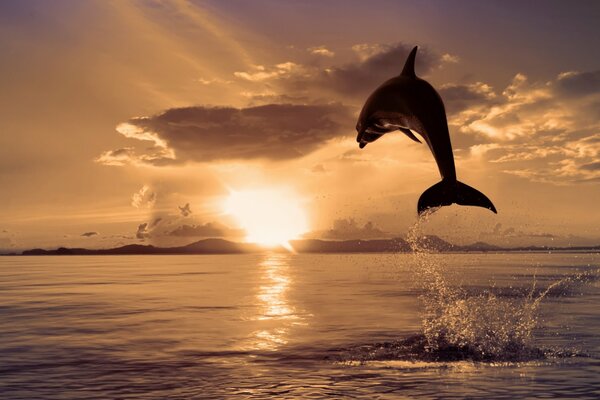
(410, 104)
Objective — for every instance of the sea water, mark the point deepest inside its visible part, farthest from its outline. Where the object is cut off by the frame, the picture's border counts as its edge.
(373, 326)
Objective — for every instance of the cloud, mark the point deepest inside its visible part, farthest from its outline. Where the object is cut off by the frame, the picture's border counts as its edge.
(210, 229)
(344, 229)
(89, 234)
(594, 166)
(578, 83)
(499, 232)
(212, 81)
(203, 134)
(450, 58)
(155, 222)
(148, 229)
(185, 210)
(349, 82)
(321, 51)
(143, 198)
(305, 112)
(260, 73)
(142, 231)
(460, 97)
(359, 79)
(152, 155)
(116, 157)
(364, 51)
(541, 131)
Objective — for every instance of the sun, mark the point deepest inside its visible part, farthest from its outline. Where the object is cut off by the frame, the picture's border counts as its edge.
(270, 217)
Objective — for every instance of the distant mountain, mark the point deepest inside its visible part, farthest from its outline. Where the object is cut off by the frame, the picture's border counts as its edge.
(435, 243)
(207, 246)
(480, 246)
(221, 246)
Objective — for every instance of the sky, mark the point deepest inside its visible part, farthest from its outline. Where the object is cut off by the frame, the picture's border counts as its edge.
(135, 121)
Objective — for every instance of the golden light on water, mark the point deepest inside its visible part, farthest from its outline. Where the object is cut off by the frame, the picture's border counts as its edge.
(270, 217)
(276, 313)
(272, 293)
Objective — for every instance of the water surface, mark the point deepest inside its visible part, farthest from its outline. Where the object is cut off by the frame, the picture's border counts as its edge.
(282, 325)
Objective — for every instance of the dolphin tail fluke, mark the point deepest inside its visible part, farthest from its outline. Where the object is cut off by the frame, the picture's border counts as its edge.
(445, 193)
(468, 196)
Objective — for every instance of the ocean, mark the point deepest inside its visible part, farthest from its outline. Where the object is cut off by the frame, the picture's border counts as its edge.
(274, 325)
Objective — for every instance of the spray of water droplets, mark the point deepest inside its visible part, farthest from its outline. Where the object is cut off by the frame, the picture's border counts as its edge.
(477, 327)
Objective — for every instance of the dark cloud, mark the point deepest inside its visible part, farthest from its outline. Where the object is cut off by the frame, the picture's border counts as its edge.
(297, 124)
(578, 83)
(202, 134)
(89, 234)
(594, 166)
(383, 62)
(155, 222)
(349, 82)
(185, 210)
(458, 98)
(142, 231)
(344, 229)
(209, 229)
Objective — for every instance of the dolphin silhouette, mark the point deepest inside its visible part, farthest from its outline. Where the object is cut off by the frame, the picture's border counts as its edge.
(410, 104)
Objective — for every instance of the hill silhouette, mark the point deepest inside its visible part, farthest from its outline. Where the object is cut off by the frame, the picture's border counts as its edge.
(221, 246)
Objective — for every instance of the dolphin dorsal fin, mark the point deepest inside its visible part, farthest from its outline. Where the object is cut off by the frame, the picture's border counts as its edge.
(409, 65)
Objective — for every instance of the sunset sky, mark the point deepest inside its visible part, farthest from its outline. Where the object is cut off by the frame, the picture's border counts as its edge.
(135, 121)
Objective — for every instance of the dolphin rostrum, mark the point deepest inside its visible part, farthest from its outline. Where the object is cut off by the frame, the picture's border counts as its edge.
(410, 104)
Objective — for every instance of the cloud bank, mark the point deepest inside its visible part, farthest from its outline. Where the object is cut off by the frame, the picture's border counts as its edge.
(346, 229)
(204, 134)
(542, 131)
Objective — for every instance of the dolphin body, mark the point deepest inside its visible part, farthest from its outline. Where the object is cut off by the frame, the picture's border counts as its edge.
(410, 104)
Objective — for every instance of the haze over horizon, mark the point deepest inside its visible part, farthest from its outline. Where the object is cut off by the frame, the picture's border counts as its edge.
(146, 122)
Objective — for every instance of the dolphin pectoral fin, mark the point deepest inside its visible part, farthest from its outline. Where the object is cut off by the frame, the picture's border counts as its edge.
(408, 133)
(445, 193)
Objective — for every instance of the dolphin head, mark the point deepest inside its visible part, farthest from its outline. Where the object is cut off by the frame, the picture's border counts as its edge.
(368, 132)
(369, 126)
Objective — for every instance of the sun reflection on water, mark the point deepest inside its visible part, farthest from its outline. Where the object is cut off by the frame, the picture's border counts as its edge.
(276, 312)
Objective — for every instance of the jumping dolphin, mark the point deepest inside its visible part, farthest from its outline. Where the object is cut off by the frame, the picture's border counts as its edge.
(410, 104)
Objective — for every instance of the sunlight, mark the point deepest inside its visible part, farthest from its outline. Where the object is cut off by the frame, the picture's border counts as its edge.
(269, 217)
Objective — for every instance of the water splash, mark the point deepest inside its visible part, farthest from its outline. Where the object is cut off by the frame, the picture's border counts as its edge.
(483, 327)
(459, 325)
